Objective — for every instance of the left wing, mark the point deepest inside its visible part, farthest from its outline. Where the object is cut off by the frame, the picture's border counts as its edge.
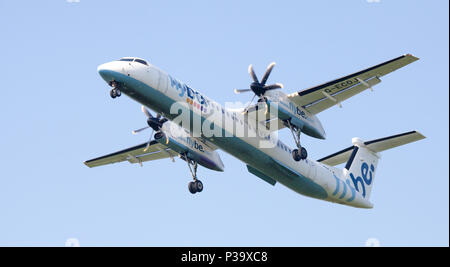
(324, 96)
(134, 154)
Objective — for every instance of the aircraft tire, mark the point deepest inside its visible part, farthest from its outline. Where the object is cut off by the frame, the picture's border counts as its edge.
(199, 186)
(192, 187)
(112, 93)
(295, 155)
(303, 153)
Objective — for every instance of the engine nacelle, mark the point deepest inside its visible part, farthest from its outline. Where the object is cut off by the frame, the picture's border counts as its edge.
(193, 148)
(297, 116)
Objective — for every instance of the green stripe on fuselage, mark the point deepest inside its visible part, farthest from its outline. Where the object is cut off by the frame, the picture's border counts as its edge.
(235, 146)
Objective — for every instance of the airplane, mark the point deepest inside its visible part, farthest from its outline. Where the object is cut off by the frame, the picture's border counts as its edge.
(258, 145)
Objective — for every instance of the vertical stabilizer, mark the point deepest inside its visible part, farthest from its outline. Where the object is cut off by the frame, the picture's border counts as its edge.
(361, 167)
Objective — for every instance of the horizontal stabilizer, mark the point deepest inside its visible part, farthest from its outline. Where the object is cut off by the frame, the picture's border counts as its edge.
(376, 145)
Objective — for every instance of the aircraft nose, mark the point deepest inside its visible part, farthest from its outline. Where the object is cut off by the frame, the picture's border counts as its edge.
(108, 71)
(103, 70)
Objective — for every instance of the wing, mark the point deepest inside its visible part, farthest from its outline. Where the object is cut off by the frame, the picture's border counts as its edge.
(324, 96)
(377, 145)
(134, 154)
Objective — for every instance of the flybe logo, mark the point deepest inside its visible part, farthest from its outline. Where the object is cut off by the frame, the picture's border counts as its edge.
(193, 97)
(194, 144)
(296, 110)
(365, 179)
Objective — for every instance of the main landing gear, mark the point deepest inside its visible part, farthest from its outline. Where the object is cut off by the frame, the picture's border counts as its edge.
(300, 153)
(115, 91)
(196, 186)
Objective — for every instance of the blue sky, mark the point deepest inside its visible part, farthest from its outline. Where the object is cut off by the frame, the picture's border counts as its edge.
(56, 113)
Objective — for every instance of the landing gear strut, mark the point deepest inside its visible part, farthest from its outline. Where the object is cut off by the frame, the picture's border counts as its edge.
(300, 153)
(196, 186)
(115, 91)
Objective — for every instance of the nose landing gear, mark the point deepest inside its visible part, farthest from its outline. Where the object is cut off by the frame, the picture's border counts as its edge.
(300, 153)
(115, 92)
(196, 186)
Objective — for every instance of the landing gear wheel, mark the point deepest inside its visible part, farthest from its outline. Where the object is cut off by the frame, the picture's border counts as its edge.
(199, 186)
(113, 93)
(195, 186)
(192, 187)
(303, 153)
(295, 155)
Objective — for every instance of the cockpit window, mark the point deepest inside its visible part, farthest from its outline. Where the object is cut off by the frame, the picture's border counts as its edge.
(141, 61)
(131, 59)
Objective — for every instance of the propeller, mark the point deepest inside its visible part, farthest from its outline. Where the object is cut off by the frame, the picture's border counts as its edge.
(153, 122)
(259, 88)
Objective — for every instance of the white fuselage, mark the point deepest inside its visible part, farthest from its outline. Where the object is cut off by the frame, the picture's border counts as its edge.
(159, 91)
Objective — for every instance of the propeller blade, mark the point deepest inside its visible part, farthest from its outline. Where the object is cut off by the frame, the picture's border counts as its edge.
(149, 141)
(146, 112)
(140, 130)
(252, 73)
(273, 86)
(267, 73)
(238, 91)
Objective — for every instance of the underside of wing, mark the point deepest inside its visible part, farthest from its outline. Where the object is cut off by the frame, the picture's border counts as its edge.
(324, 96)
(256, 114)
(377, 145)
(134, 154)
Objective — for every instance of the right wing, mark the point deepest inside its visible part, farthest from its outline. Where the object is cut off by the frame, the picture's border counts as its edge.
(134, 154)
(324, 96)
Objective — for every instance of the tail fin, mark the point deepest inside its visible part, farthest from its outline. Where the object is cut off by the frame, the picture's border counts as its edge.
(362, 158)
(361, 167)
